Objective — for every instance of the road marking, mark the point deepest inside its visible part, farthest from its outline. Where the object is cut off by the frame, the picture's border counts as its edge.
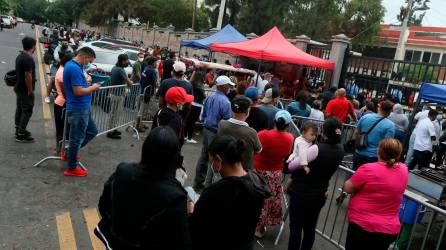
(92, 218)
(65, 231)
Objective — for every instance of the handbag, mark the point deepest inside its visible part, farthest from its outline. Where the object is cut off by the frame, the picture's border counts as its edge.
(362, 141)
(10, 78)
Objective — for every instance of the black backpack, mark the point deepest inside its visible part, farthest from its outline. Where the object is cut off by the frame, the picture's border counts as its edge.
(10, 78)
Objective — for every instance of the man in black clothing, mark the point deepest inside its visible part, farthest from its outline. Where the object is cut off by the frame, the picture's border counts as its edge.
(257, 118)
(177, 81)
(24, 89)
(168, 66)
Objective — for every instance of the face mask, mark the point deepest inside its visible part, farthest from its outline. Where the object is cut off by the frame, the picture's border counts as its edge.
(140, 59)
(86, 66)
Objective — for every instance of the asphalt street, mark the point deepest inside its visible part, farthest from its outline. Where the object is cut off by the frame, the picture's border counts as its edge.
(40, 208)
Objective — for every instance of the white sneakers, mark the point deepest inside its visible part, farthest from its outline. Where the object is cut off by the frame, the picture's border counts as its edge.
(191, 141)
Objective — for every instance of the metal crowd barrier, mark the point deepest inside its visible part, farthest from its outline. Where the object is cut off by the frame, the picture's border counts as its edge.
(423, 225)
(115, 107)
(148, 106)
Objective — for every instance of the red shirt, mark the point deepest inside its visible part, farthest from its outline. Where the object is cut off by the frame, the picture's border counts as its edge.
(276, 147)
(340, 107)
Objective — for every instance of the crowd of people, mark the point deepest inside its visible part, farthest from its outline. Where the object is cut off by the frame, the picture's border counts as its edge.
(246, 147)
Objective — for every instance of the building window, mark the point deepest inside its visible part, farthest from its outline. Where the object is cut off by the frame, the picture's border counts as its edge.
(426, 57)
(435, 58)
(416, 56)
(408, 55)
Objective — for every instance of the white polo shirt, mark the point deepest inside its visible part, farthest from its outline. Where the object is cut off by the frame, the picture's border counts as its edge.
(425, 130)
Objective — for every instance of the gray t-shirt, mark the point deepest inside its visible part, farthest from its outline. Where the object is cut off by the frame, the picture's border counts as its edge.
(270, 113)
(240, 130)
(401, 121)
(118, 76)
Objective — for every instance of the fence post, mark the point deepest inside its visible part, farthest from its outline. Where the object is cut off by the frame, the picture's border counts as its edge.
(302, 42)
(339, 44)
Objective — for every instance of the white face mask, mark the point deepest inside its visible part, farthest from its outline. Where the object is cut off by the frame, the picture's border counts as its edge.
(140, 59)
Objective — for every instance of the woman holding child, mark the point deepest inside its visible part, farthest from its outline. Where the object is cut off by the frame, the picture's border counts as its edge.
(309, 186)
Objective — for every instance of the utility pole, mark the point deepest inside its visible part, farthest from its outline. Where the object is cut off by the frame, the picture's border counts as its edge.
(194, 13)
(221, 14)
(404, 34)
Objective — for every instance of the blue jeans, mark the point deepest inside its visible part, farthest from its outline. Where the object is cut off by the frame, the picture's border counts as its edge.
(82, 131)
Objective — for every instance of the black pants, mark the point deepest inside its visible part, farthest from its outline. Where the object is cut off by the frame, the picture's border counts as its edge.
(191, 119)
(420, 158)
(304, 212)
(24, 111)
(59, 121)
(359, 239)
(439, 153)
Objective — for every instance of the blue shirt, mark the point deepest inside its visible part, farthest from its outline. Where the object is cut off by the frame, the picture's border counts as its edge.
(384, 129)
(73, 76)
(216, 108)
(352, 89)
(295, 109)
(148, 78)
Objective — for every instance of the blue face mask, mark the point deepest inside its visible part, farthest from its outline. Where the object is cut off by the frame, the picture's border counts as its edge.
(87, 66)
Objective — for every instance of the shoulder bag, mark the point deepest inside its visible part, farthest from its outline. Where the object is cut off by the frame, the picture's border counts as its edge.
(362, 141)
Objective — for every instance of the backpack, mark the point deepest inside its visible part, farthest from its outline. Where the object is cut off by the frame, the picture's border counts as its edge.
(10, 78)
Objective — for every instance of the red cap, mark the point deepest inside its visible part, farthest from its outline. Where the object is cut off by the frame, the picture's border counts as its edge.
(177, 95)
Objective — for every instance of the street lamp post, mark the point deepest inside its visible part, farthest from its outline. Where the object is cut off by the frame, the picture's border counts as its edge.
(221, 14)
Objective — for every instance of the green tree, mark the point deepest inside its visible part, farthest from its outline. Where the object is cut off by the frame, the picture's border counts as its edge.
(232, 10)
(4, 6)
(417, 12)
(31, 9)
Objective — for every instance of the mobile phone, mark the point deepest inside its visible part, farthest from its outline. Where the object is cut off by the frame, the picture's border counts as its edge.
(192, 194)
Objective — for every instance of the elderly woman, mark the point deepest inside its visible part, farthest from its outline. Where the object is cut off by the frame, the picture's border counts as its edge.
(276, 146)
(377, 190)
(308, 191)
(401, 122)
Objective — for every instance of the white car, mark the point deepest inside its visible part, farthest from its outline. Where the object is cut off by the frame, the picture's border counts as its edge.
(7, 21)
(106, 59)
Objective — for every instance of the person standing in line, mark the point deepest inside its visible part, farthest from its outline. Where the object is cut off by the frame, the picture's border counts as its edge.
(137, 68)
(78, 100)
(300, 107)
(276, 146)
(308, 192)
(178, 69)
(216, 108)
(226, 214)
(401, 122)
(377, 191)
(168, 66)
(238, 128)
(142, 205)
(425, 135)
(118, 77)
(59, 102)
(268, 105)
(197, 81)
(24, 89)
(257, 118)
(340, 107)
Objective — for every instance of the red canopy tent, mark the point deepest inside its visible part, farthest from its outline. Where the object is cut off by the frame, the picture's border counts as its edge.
(272, 46)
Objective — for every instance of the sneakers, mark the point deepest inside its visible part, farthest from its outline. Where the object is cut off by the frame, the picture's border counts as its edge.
(48, 100)
(25, 138)
(191, 141)
(63, 157)
(77, 172)
(115, 134)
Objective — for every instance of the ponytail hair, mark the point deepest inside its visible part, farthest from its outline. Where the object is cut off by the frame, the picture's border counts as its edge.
(228, 148)
(389, 151)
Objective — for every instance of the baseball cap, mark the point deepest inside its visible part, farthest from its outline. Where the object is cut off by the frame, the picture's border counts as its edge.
(179, 67)
(177, 95)
(252, 93)
(285, 115)
(224, 80)
(270, 94)
(240, 104)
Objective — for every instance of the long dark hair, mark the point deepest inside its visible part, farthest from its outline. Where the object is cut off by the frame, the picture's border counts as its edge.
(160, 152)
(332, 129)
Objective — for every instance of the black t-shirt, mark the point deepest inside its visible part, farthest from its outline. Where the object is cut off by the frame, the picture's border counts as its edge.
(172, 82)
(24, 63)
(168, 117)
(257, 119)
(167, 69)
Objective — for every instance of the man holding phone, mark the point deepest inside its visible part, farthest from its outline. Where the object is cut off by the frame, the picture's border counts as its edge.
(78, 101)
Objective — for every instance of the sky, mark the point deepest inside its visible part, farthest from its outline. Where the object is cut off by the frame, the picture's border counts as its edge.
(436, 16)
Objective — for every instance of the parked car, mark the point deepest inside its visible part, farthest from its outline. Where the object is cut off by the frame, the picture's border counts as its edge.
(106, 59)
(7, 21)
(116, 41)
(20, 20)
